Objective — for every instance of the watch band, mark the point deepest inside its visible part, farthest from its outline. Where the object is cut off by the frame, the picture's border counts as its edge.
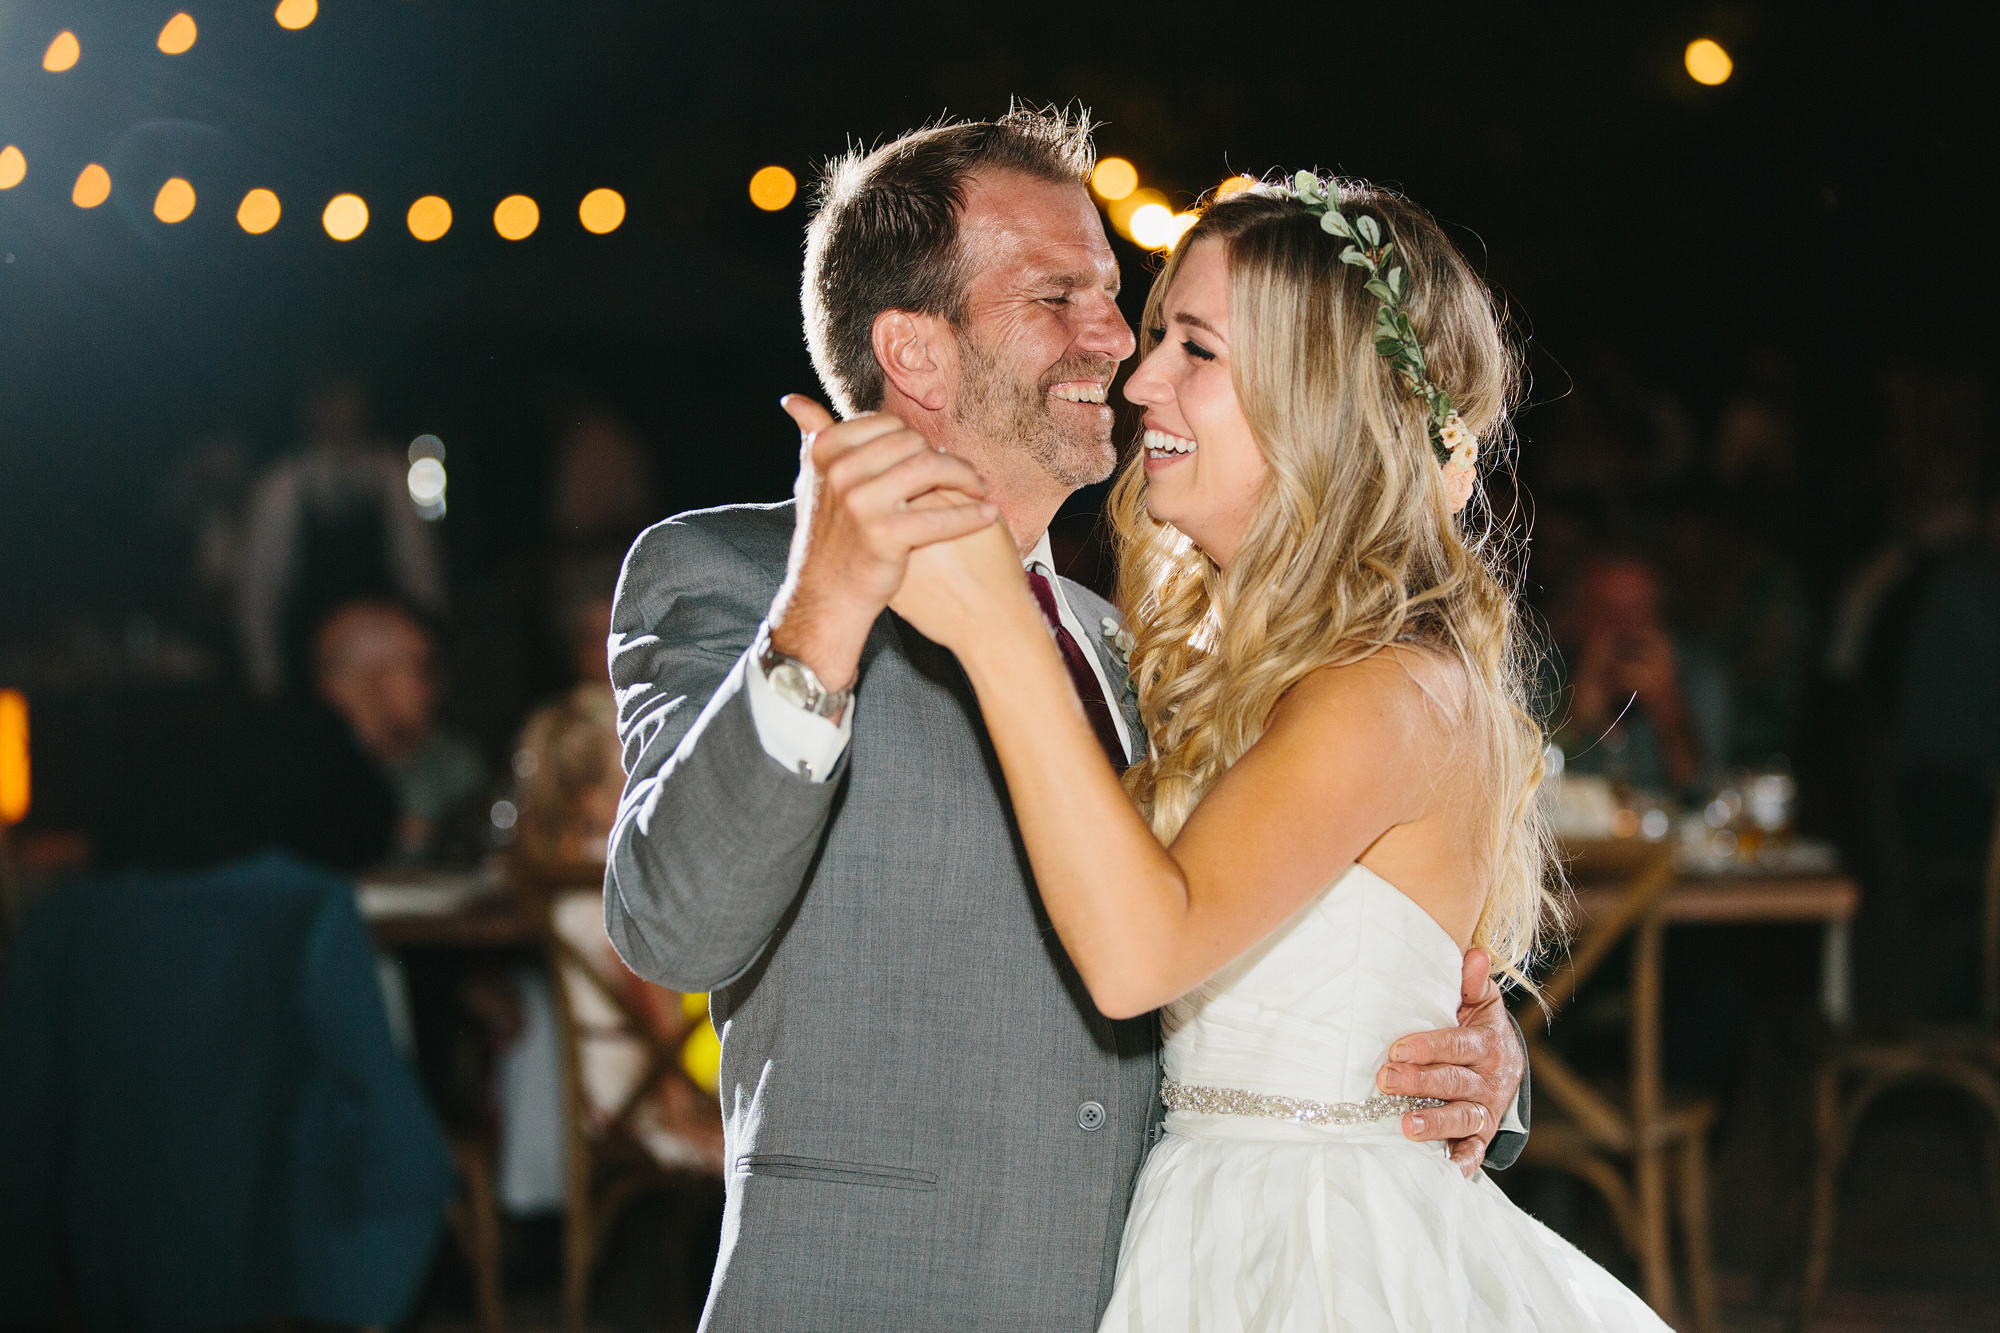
(795, 682)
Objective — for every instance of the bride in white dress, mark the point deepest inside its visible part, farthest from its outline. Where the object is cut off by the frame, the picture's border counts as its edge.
(1340, 794)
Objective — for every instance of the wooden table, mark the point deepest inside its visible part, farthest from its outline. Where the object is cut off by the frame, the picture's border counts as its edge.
(454, 911)
(1630, 887)
(1747, 899)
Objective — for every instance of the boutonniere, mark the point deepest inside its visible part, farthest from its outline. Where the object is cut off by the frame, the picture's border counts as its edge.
(1122, 643)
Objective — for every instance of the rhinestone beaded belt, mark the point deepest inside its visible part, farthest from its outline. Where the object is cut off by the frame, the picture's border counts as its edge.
(1234, 1101)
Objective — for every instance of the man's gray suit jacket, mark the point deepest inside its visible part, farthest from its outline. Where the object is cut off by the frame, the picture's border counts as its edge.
(928, 1123)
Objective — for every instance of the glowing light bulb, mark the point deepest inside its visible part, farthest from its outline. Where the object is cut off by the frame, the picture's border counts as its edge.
(14, 768)
(1177, 227)
(346, 216)
(1708, 63)
(772, 188)
(429, 218)
(259, 212)
(62, 52)
(516, 217)
(1234, 185)
(296, 14)
(179, 34)
(13, 167)
(1114, 178)
(93, 187)
(601, 211)
(175, 201)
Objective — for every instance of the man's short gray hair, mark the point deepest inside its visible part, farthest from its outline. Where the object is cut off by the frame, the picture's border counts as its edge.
(884, 235)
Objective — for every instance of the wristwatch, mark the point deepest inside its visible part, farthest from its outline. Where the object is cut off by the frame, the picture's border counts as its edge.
(795, 682)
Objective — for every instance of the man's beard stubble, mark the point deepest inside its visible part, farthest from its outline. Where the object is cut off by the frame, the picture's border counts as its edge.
(1013, 412)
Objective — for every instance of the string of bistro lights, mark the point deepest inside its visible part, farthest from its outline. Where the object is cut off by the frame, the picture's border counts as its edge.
(344, 217)
(1140, 214)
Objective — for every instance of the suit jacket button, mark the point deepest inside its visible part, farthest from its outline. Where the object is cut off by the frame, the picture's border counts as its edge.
(1090, 1116)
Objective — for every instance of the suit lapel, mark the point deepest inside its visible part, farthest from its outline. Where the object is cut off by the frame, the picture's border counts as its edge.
(1093, 612)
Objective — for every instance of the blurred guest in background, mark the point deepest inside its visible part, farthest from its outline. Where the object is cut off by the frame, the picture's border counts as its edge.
(569, 781)
(1642, 709)
(332, 523)
(373, 665)
(1739, 598)
(569, 777)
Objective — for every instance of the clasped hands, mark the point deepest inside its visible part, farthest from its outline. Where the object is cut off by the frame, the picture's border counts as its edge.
(872, 494)
(885, 520)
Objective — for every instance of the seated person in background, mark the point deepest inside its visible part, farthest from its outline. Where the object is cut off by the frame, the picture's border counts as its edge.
(567, 765)
(1616, 650)
(372, 665)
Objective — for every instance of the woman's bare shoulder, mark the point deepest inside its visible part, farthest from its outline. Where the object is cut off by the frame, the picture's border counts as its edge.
(1412, 688)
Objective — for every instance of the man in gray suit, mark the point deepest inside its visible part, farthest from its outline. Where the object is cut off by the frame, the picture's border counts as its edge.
(929, 1125)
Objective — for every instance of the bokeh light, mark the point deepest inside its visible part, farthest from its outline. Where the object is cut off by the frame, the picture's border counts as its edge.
(179, 34)
(1114, 178)
(93, 187)
(1151, 225)
(259, 212)
(62, 52)
(426, 481)
(14, 770)
(296, 14)
(1708, 63)
(429, 218)
(1234, 185)
(1158, 227)
(516, 217)
(601, 211)
(175, 201)
(13, 167)
(346, 216)
(1121, 211)
(772, 188)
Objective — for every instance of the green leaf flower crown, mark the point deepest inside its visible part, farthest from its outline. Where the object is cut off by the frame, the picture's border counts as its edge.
(1395, 337)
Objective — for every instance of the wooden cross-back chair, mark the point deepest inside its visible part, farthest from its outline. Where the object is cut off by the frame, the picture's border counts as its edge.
(607, 1163)
(1855, 1074)
(1635, 1146)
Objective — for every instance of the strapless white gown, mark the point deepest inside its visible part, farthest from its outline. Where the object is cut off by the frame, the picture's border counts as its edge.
(1247, 1222)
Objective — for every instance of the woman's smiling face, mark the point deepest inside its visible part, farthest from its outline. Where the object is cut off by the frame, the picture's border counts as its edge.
(1204, 470)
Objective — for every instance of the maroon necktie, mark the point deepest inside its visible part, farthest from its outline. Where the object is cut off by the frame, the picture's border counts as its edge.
(1080, 675)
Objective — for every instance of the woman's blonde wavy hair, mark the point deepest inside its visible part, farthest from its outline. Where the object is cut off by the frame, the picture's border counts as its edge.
(1351, 547)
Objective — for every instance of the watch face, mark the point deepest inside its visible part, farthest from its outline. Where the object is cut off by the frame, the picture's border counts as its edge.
(790, 684)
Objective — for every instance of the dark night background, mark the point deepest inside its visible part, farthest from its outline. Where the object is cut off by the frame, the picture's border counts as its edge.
(1826, 198)
(1812, 238)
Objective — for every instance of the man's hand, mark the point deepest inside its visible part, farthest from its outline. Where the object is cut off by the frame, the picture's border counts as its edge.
(1475, 1068)
(856, 527)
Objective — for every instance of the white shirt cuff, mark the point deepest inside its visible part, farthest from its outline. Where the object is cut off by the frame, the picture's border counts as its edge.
(804, 742)
(1511, 1122)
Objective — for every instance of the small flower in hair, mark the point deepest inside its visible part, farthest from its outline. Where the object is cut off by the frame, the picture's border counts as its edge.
(1453, 433)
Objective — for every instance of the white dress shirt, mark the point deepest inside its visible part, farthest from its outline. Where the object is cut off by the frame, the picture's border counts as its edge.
(809, 744)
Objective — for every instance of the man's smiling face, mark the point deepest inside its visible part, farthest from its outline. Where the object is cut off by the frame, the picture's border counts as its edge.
(1042, 334)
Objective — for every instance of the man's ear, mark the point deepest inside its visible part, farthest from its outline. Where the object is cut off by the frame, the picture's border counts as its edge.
(916, 354)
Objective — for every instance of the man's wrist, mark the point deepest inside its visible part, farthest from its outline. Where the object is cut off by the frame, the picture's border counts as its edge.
(796, 683)
(833, 657)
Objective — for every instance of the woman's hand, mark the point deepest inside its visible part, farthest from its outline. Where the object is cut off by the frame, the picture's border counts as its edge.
(955, 591)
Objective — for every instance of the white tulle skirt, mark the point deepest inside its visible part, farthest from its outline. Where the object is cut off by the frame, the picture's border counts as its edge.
(1248, 1224)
